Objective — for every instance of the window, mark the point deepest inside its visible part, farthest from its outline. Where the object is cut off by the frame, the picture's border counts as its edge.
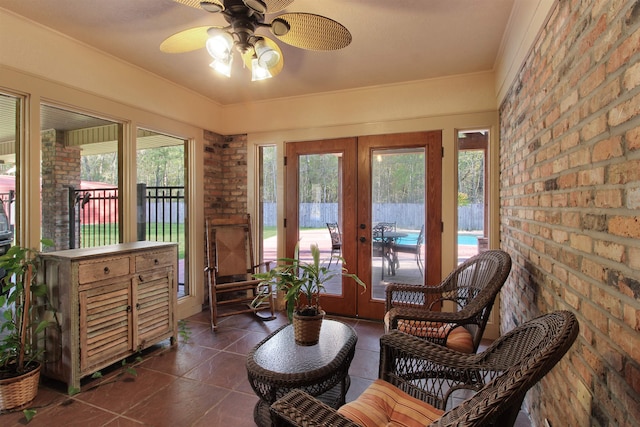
(472, 197)
(79, 179)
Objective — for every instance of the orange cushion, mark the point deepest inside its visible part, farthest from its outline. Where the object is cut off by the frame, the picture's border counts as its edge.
(382, 404)
(459, 338)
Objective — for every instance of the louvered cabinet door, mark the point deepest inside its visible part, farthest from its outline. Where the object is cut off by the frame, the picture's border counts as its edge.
(105, 324)
(153, 312)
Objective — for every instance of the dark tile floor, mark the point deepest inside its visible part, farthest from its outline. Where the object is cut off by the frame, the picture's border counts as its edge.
(202, 382)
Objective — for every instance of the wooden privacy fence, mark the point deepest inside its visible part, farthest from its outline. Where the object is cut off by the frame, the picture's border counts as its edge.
(405, 215)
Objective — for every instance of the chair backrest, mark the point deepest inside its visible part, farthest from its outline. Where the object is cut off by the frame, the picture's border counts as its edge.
(474, 286)
(420, 240)
(230, 248)
(520, 359)
(334, 231)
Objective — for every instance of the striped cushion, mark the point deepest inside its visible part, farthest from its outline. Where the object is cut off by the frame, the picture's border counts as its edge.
(459, 338)
(382, 404)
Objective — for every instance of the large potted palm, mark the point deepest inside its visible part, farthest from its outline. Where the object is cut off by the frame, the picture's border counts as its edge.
(19, 365)
(301, 283)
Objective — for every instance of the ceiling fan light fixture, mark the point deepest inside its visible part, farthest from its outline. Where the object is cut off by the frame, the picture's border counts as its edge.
(258, 72)
(219, 45)
(211, 7)
(280, 27)
(222, 67)
(256, 5)
(267, 57)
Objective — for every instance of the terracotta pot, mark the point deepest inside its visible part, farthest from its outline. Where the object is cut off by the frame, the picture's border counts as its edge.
(306, 329)
(20, 390)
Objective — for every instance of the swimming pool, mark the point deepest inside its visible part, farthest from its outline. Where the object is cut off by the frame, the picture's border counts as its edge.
(468, 239)
(463, 239)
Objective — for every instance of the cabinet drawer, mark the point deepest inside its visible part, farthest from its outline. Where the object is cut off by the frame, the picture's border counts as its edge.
(154, 259)
(104, 269)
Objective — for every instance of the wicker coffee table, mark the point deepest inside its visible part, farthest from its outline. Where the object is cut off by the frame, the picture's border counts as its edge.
(277, 365)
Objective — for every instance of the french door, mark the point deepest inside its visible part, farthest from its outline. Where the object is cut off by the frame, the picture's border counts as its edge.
(361, 184)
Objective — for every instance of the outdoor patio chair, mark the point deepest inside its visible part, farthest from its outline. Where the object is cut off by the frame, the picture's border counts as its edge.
(230, 268)
(472, 287)
(413, 248)
(336, 240)
(419, 381)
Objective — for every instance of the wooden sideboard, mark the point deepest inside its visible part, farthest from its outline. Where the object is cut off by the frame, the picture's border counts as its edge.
(111, 302)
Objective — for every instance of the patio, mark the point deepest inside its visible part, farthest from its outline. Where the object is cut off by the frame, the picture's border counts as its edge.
(407, 270)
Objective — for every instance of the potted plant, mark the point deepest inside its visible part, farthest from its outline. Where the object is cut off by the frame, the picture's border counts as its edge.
(302, 282)
(19, 365)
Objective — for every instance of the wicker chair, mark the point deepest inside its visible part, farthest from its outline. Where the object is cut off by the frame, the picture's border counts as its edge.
(472, 287)
(500, 376)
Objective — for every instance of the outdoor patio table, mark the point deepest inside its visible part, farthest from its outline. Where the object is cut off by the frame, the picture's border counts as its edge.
(388, 239)
(277, 365)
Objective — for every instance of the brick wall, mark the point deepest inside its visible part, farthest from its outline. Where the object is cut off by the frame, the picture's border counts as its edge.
(225, 175)
(60, 170)
(225, 179)
(570, 200)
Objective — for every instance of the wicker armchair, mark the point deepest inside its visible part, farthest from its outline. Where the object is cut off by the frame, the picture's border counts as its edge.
(472, 287)
(501, 376)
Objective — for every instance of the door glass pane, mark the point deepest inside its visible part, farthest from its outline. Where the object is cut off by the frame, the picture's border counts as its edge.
(319, 184)
(397, 213)
(161, 204)
(471, 236)
(79, 179)
(9, 138)
(267, 196)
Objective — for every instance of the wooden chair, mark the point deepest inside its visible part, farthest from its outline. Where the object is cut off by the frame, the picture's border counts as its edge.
(472, 287)
(230, 268)
(422, 380)
(414, 248)
(336, 240)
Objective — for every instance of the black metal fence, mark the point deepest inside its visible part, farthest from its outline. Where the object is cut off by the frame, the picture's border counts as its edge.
(93, 214)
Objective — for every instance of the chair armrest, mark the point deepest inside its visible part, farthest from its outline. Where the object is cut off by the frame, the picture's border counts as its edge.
(265, 264)
(422, 315)
(298, 408)
(428, 371)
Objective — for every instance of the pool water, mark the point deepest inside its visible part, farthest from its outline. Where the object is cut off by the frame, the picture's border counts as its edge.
(463, 239)
(468, 239)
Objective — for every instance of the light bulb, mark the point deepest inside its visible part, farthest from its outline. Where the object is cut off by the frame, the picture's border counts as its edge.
(258, 72)
(222, 67)
(219, 45)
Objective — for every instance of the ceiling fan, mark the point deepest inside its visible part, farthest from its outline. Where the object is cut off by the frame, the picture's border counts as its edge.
(260, 54)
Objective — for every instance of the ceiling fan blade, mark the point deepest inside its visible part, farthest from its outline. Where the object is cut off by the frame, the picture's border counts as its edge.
(275, 70)
(214, 5)
(185, 41)
(314, 32)
(276, 5)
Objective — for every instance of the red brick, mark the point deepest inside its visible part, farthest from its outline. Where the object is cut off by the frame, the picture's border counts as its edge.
(632, 139)
(624, 111)
(608, 198)
(607, 149)
(625, 226)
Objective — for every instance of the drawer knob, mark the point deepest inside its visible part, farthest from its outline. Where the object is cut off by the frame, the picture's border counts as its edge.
(106, 270)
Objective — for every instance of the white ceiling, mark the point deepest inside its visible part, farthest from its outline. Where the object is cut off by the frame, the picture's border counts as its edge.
(393, 41)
